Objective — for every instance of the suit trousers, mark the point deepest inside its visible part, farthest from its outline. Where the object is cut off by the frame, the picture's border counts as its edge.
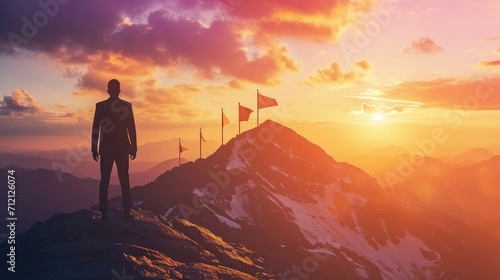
(122, 164)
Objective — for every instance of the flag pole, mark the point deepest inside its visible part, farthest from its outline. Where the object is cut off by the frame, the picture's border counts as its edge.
(222, 123)
(239, 120)
(179, 151)
(200, 142)
(257, 107)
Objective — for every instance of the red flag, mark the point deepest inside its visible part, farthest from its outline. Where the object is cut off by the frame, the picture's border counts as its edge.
(225, 120)
(182, 149)
(244, 113)
(264, 101)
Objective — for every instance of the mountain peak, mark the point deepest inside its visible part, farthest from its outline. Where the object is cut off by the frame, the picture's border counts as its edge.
(274, 147)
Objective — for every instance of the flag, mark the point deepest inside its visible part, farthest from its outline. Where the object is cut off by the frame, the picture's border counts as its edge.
(201, 137)
(244, 113)
(264, 101)
(182, 149)
(225, 120)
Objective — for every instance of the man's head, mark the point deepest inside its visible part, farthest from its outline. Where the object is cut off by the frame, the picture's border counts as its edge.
(114, 87)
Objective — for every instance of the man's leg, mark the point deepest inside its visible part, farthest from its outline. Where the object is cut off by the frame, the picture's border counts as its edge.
(106, 167)
(122, 164)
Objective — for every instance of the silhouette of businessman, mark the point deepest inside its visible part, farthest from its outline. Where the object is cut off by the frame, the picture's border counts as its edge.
(114, 129)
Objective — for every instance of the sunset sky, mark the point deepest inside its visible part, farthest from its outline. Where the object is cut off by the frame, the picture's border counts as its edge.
(349, 75)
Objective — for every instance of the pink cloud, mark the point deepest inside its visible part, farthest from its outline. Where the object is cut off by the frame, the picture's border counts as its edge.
(422, 46)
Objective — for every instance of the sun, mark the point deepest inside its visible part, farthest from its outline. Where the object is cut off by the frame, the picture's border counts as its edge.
(378, 117)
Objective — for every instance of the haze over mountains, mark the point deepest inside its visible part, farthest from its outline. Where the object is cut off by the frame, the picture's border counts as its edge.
(141, 172)
(149, 152)
(466, 186)
(270, 205)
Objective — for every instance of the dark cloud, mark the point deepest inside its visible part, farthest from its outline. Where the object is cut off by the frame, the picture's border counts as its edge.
(168, 34)
(84, 32)
(20, 102)
(72, 24)
(423, 46)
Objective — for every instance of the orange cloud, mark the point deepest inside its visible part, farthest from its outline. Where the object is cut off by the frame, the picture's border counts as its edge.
(333, 74)
(489, 64)
(479, 94)
(309, 20)
(422, 46)
(369, 109)
(263, 69)
(493, 39)
(156, 95)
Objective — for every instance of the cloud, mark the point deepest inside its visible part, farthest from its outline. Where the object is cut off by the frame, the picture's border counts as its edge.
(82, 34)
(154, 102)
(373, 109)
(209, 36)
(308, 20)
(20, 102)
(157, 95)
(476, 94)
(493, 39)
(333, 74)
(422, 46)
(490, 64)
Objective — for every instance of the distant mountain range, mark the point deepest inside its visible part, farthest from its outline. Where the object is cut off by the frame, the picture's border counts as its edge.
(470, 193)
(153, 152)
(140, 172)
(39, 195)
(268, 205)
(470, 157)
(42, 193)
(458, 186)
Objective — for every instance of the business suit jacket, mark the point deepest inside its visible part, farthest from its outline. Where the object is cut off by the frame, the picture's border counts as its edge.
(114, 127)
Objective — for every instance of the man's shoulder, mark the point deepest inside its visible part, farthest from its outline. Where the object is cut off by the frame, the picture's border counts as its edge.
(101, 103)
(111, 101)
(126, 102)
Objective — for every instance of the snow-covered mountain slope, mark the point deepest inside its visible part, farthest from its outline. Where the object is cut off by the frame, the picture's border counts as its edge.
(278, 194)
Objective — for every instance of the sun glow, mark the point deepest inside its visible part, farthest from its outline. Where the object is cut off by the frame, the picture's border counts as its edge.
(378, 117)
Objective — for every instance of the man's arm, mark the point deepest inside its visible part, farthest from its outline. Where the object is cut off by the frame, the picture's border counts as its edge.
(95, 135)
(132, 134)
